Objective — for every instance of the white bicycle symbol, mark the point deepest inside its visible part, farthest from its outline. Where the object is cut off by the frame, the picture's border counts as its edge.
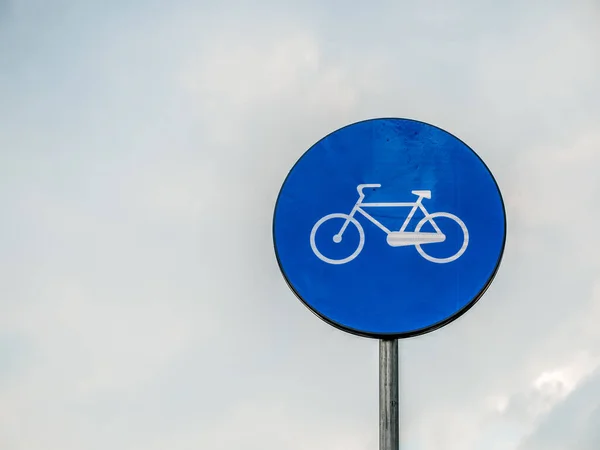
(394, 238)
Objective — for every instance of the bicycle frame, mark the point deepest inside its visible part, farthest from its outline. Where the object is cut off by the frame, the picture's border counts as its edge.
(358, 207)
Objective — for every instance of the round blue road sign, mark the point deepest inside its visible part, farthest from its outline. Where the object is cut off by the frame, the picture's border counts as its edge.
(389, 228)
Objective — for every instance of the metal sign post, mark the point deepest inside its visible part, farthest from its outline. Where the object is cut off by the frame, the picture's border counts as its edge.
(389, 423)
(389, 229)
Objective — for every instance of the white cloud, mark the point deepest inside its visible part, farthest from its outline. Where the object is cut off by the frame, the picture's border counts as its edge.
(571, 424)
(557, 184)
(264, 83)
(276, 424)
(85, 348)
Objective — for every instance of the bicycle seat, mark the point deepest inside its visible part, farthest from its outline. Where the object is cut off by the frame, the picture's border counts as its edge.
(425, 194)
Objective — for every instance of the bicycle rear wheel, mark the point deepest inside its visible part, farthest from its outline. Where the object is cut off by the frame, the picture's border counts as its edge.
(461, 250)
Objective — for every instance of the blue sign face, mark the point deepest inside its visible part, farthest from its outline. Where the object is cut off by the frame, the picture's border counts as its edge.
(389, 228)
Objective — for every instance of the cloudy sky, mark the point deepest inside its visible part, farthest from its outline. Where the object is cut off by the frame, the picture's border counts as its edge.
(142, 147)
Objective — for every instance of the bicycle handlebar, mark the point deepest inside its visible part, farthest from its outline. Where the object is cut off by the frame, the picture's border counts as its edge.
(360, 187)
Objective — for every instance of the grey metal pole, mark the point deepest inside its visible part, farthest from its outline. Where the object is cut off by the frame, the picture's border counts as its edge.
(389, 424)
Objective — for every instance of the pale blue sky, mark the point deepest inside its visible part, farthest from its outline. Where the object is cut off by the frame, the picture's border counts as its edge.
(142, 146)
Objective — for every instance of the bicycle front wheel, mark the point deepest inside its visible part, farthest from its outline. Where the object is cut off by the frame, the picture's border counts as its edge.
(461, 250)
(333, 239)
